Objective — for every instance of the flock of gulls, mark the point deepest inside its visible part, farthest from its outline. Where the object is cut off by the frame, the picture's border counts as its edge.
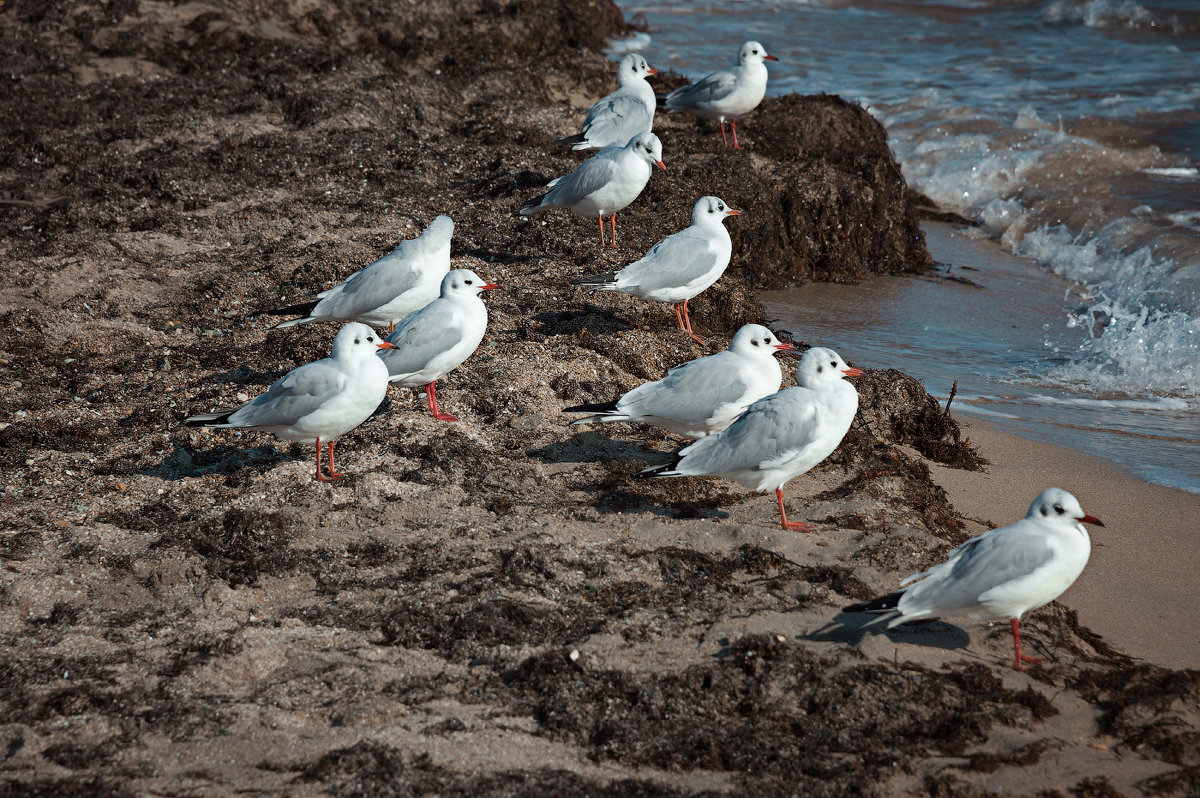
(743, 427)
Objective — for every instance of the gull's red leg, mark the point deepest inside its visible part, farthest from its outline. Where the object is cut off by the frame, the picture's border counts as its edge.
(614, 230)
(319, 476)
(1017, 648)
(688, 325)
(431, 392)
(795, 526)
(601, 218)
(733, 127)
(679, 317)
(333, 474)
(724, 140)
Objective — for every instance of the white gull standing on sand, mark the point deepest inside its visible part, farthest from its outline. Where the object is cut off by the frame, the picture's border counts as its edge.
(604, 183)
(781, 436)
(385, 292)
(680, 266)
(627, 112)
(439, 337)
(727, 94)
(1002, 573)
(319, 401)
(705, 395)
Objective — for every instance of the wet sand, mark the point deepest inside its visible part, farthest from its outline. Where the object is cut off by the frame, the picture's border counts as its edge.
(1141, 581)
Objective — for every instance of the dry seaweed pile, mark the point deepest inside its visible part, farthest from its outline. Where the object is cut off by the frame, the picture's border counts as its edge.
(492, 607)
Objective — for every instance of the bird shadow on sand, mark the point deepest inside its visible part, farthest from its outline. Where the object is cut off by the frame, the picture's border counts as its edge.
(852, 627)
(590, 318)
(182, 463)
(589, 446)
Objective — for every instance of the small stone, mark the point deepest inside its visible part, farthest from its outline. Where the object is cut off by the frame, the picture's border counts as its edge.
(526, 423)
(121, 486)
(243, 397)
(164, 365)
(574, 655)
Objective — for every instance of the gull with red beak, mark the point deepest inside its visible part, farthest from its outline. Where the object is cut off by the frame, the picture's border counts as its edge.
(1002, 573)
(605, 183)
(705, 395)
(781, 436)
(320, 401)
(680, 266)
(727, 94)
(627, 112)
(439, 337)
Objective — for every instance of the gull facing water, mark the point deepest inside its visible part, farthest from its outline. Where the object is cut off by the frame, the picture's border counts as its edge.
(385, 292)
(603, 184)
(680, 266)
(627, 112)
(705, 395)
(1002, 573)
(439, 337)
(319, 401)
(727, 94)
(781, 436)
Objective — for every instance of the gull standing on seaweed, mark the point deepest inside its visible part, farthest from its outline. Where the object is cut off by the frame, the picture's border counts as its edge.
(705, 395)
(1002, 573)
(319, 401)
(625, 113)
(680, 266)
(603, 184)
(385, 292)
(727, 94)
(781, 436)
(439, 337)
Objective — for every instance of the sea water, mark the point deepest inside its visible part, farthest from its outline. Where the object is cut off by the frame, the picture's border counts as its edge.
(1069, 132)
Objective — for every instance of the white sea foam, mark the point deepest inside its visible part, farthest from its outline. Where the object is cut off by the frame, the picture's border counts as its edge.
(1099, 13)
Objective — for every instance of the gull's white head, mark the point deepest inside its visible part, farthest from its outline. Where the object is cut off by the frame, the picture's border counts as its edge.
(711, 209)
(1056, 506)
(756, 341)
(648, 147)
(633, 67)
(821, 367)
(752, 52)
(463, 282)
(357, 340)
(439, 230)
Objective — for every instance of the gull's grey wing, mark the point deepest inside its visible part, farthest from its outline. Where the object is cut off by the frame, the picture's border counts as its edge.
(690, 392)
(675, 261)
(708, 89)
(978, 566)
(373, 287)
(771, 431)
(293, 396)
(588, 177)
(423, 337)
(616, 119)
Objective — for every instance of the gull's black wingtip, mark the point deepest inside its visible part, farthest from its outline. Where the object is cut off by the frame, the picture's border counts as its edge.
(881, 604)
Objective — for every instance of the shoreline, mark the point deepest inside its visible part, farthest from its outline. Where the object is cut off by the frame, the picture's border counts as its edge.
(1141, 574)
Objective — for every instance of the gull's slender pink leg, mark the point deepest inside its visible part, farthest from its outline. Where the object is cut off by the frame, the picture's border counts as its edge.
(319, 476)
(733, 127)
(724, 140)
(688, 325)
(601, 217)
(332, 473)
(796, 526)
(1017, 647)
(431, 392)
(679, 317)
(614, 230)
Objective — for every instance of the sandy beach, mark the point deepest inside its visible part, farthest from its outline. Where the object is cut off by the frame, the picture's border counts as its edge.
(496, 606)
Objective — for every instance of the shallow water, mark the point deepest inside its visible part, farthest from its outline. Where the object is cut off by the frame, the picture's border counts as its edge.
(1069, 129)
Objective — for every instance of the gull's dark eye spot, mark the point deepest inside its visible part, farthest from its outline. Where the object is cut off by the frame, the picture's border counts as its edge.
(1045, 511)
(370, 340)
(720, 207)
(468, 282)
(833, 363)
(754, 342)
(820, 369)
(710, 210)
(357, 341)
(1058, 509)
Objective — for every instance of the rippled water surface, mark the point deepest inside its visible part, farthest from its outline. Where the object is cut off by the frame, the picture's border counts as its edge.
(1070, 130)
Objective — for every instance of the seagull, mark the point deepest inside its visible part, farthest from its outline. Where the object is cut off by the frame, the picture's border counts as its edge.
(319, 401)
(385, 292)
(604, 183)
(680, 266)
(439, 337)
(781, 436)
(1001, 573)
(726, 94)
(705, 395)
(623, 114)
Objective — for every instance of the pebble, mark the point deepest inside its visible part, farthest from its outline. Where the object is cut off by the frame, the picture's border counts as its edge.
(164, 365)
(526, 423)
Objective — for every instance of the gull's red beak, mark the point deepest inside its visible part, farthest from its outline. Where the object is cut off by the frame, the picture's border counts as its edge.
(488, 285)
(733, 212)
(786, 348)
(770, 58)
(651, 71)
(661, 165)
(852, 372)
(386, 345)
(1090, 519)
